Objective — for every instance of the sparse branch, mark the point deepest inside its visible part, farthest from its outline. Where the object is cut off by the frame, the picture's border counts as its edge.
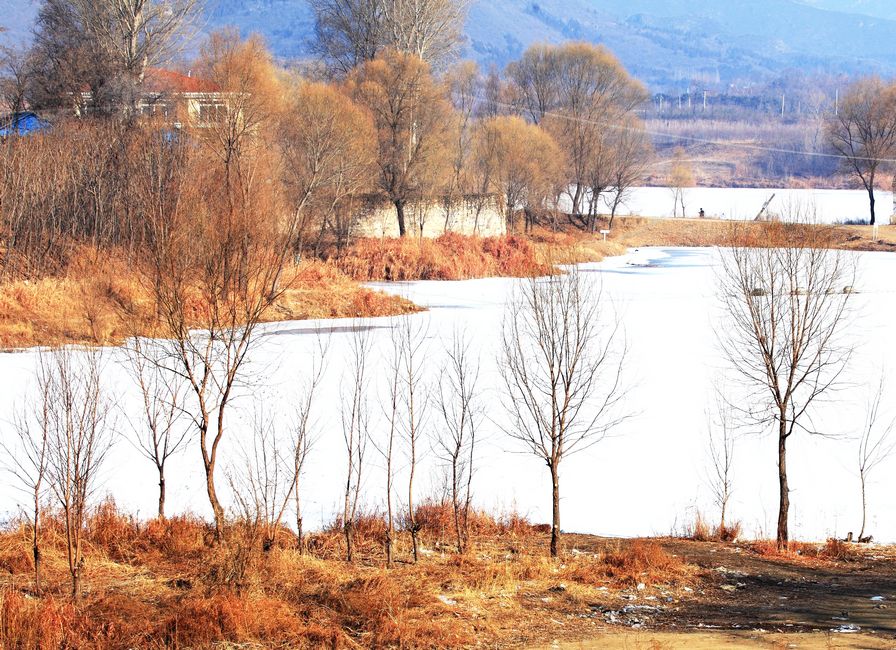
(562, 359)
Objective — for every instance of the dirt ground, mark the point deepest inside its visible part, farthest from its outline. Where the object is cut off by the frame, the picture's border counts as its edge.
(747, 598)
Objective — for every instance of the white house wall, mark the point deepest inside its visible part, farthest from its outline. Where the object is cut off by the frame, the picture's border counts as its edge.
(462, 217)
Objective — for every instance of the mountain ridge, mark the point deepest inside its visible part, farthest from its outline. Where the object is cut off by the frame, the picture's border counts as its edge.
(667, 43)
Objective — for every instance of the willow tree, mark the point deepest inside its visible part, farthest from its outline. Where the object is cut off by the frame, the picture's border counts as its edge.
(577, 91)
(520, 162)
(412, 118)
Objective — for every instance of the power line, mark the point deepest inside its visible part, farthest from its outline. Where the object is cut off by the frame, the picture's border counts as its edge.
(695, 140)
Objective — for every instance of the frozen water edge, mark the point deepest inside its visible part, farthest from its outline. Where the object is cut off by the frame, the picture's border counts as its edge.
(645, 479)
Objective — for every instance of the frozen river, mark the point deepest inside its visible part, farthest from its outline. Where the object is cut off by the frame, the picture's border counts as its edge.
(830, 206)
(648, 478)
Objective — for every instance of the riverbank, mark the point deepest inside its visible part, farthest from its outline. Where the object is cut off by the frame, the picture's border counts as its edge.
(161, 584)
(101, 300)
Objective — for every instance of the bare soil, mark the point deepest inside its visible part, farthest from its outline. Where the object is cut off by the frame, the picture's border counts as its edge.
(749, 597)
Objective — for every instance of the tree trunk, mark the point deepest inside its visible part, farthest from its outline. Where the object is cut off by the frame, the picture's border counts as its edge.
(399, 212)
(35, 545)
(217, 509)
(871, 201)
(555, 503)
(864, 505)
(349, 550)
(412, 519)
(456, 503)
(577, 200)
(784, 505)
(161, 514)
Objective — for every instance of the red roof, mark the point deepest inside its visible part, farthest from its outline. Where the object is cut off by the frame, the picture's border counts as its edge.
(158, 80)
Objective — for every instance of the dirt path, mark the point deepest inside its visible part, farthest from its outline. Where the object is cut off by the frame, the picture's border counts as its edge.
(747, 591)
(727, 640)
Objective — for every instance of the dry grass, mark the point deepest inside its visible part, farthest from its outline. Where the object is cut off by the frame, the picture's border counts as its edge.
(833, 550)
(163, 584)
(635, 232)
(101, 300)
(449, 257)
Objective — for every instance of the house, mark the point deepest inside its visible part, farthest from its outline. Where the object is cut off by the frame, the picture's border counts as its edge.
(182, 99)
(23, 123)
(177, 99)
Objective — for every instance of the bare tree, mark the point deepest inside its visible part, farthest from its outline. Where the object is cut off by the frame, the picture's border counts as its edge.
(355, 429)
(217, 252)
(411, 115)
(863, 131)
(412, 334)
(304, 427)
(15, 77)
(162, 433)
(787, 312)
(680, 179)
(262, 483)
(79, 435)
(632, 152)
(875, 446)
(456, 397)
(562, 358)
(721, 439)
(28, 463)
(387, 448)
(519, 162)
(350, 32)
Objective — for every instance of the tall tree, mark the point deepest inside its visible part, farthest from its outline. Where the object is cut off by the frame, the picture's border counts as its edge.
(350, 32)
(578, 91)
(863, 131)
(562, 359)
(519, 162)
(787, 304)
(411, 115)
(128, 36)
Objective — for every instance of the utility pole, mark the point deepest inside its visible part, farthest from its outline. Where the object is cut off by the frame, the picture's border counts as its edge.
(837, 102)
(704, 101)
(782, 104)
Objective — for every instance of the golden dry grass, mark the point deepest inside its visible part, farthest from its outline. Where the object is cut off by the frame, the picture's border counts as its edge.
(163, 584)
(100, 300)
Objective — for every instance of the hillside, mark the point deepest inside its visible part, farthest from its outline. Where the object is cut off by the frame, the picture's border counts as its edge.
(668, 43)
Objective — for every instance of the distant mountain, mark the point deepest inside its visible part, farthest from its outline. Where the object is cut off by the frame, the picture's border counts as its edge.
(877, 8)
(667, 43)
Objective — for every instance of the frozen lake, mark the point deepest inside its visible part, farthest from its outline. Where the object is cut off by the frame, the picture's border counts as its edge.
(648, 478)
(831, 206)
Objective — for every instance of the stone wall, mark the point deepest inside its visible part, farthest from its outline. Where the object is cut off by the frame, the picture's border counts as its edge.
(468, 217)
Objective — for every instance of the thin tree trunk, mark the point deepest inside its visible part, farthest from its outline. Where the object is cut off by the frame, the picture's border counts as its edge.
(217, 510)
(784, 505)
(399, 212)
(577, 200)
(412, 520)
(871, 200)
(555, 502)
(456, 503)
(390, 527)
(35, 544)
(161, 493)
(864, 505)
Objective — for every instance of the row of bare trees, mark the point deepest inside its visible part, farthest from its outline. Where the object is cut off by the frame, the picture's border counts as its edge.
(388, 129)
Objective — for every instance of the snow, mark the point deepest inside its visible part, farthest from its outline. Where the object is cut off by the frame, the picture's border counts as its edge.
(648, 478)
(830, 206)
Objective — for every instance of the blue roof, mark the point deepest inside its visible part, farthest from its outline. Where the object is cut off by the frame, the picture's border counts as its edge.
(21, 124)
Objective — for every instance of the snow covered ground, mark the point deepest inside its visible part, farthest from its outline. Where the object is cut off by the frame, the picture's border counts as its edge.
(648, 478)
(744, 203)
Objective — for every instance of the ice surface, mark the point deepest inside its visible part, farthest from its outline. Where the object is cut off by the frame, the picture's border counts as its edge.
(647, 478)
(830, 206)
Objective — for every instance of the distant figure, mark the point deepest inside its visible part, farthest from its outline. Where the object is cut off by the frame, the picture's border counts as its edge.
(702, 214)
